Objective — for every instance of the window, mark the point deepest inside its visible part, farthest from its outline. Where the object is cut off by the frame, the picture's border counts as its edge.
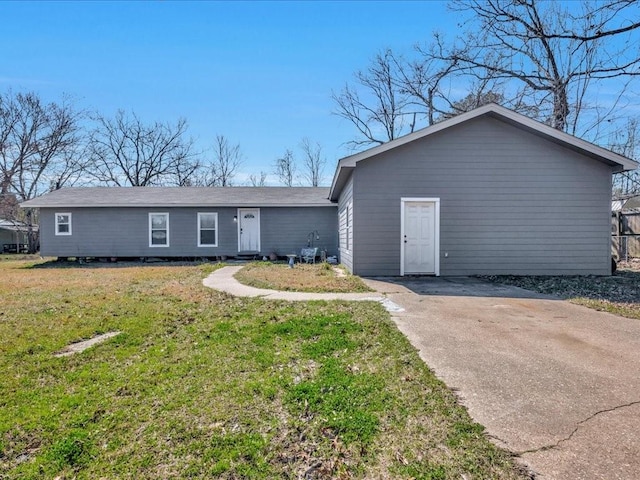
(207, 229)
(63, 224)
(349, 234)
(158, 229)
(345, 225)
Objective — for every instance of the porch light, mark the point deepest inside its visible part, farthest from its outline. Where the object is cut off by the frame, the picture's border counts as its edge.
(235, 219)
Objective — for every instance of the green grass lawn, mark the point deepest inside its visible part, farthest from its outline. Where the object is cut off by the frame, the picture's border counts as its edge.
(203, 385)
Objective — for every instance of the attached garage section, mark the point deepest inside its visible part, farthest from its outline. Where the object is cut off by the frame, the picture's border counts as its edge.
(511, 196)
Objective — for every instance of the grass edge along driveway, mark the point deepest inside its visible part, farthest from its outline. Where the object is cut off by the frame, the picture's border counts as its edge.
(201, 385)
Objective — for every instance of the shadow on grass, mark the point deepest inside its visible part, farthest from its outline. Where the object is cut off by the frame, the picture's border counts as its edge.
(67, 264)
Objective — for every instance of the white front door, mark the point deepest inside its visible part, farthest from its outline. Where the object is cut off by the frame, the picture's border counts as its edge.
(248, 229)
(420, 236)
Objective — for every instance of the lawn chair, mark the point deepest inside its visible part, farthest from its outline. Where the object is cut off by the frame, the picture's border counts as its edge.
(308, 255)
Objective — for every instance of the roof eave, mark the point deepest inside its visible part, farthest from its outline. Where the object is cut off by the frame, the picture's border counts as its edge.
(339, 180)
(29, 204)
(496, 111)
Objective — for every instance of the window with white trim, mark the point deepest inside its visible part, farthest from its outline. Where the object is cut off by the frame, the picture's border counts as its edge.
(63, 224)
(158, 229)
(207, 229)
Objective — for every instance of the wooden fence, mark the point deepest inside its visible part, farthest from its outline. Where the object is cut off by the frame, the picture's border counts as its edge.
(625, 242)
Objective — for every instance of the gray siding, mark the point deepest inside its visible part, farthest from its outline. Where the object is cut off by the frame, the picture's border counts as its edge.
(10, 236)
(346, 197)
(124, 232)
(511, 203)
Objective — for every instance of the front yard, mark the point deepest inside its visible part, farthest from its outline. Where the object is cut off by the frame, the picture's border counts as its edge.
(320, 277)
(203, 385)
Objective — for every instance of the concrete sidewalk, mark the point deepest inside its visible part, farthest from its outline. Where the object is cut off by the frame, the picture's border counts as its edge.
(223, 280)
(556, 383)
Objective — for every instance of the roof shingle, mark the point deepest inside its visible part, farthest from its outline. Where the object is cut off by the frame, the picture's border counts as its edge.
(184, 197)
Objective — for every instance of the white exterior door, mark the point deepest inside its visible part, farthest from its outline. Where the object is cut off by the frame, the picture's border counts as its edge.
(420, 236)
(248, 229)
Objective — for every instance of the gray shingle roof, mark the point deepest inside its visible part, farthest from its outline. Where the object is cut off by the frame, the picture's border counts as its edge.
(184, 197)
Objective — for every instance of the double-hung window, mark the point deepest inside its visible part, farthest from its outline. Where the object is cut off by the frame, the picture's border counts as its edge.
(63, 224)
(158, 229)
(207, 229)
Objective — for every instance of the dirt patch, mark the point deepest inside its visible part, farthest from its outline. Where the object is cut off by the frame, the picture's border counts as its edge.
(340, 273)
(82, 346)
(619, 293)
(624, 286)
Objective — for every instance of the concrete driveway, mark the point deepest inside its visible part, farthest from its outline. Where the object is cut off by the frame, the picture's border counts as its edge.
(556, 383)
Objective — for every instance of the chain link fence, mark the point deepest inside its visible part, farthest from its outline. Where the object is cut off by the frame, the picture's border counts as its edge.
(625, 247)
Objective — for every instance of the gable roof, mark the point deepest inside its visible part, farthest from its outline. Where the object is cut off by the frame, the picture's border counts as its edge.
(347, 164)
(15, 225)
(162, 197)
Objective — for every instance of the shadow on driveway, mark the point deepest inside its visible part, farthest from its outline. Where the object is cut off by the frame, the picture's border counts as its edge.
(451, 287)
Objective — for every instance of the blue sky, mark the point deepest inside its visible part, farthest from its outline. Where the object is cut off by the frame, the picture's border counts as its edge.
(260, 73)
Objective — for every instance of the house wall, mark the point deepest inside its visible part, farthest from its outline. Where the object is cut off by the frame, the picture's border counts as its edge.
(10, 236)
(124, 232)
(345, 210)
(511, 203)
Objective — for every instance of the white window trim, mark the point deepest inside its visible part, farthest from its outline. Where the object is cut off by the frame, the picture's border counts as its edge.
(58, 232)
(436, 201)
(151, 245)
(200, 214)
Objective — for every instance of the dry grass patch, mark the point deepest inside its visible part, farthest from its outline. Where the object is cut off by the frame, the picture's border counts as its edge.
(618, 294)
(319, 277)
(204, 385)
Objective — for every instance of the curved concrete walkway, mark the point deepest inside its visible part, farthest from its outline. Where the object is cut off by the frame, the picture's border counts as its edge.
(223, 280)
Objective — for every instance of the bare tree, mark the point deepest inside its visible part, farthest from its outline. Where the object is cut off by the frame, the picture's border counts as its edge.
(472, 101)
(394, 96)
(258, 181)
(313, 162)
(37, 140)
(554, 52)
(626, 141)
(376, 104)
(37, 146)
(285, 168)
(227, 159)
(124, 151)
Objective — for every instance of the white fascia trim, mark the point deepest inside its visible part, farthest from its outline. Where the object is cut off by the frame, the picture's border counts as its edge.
(497, 111)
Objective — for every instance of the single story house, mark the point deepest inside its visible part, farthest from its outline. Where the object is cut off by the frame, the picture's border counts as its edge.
(487, 192)
(184, 221)
(13, 235)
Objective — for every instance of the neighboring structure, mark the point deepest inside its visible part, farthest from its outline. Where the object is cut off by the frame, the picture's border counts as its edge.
(625, 227)
(13, 236)
(184, 221)
(487, 192)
